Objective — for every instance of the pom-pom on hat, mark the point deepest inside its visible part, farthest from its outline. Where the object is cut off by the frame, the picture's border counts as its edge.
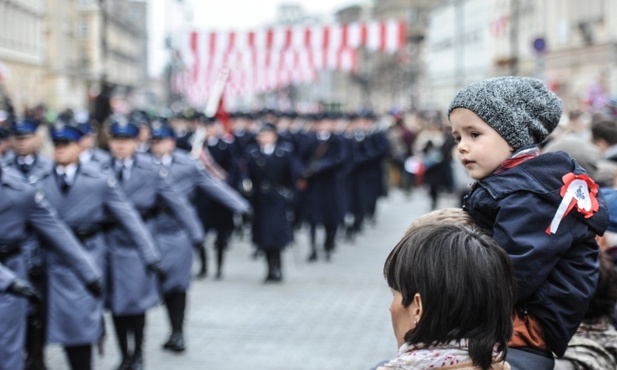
(521, 109)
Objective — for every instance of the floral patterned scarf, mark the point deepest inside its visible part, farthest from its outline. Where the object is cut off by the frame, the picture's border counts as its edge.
(419, 356)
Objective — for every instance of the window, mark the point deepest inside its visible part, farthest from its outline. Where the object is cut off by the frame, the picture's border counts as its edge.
(84, 28)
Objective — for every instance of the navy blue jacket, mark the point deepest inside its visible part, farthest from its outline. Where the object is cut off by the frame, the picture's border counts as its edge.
(556, 273)
(273, 178)
(323, 174)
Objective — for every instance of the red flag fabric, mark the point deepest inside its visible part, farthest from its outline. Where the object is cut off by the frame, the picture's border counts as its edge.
(270, 58)
(223, 116)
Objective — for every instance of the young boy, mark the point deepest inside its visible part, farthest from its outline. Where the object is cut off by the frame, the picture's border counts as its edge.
(542, 209)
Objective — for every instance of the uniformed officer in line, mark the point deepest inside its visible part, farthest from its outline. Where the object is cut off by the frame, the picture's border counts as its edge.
(225, 165)
(380, 143)
(186, 124)
(26, 144)
(360, 187)
(26, 139)
(243, 131)
(187, 177)
(133, 288)
(90, 203)
(23, 207)
(273, 170)
(90, 153)
(323, 160)
(142, 120)
(4, 141)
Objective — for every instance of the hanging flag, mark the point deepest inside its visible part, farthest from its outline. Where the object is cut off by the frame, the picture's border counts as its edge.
(267, 59)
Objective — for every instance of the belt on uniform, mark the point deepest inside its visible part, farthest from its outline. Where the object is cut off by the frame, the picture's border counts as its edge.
(266, 187)
(152, 212)
(86, 234)
(8, 251)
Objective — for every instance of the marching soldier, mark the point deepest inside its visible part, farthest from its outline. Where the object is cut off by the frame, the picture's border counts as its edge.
(187, 177)
(4, 141)
(323, 162)
(21, 207)
(272, 170)
(361, 188)
(90, 203)
(90, 153)
(381, 146)
(31, 164)
(26, 140)
(244, 136)
(221, 161)
(133, 288)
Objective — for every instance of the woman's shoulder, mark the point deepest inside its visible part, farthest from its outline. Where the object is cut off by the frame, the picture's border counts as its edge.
(470, 366)
(397, 364)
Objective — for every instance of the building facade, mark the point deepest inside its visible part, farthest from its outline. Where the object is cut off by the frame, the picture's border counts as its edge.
(457, 50)
(571, 45)
(22, 53)
(57, 52)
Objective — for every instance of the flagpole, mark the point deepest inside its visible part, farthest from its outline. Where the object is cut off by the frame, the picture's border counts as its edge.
(211, 108)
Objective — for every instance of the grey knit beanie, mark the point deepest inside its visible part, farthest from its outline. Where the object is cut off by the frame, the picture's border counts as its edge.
(521, 109)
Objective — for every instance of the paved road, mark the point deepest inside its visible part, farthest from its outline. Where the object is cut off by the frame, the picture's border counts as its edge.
(325, 315)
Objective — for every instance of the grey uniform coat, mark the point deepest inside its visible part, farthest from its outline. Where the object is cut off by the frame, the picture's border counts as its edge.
(92, 202)
(134, 289)
(6, 278)
(188, 179)
(22, 206)
(35, 256)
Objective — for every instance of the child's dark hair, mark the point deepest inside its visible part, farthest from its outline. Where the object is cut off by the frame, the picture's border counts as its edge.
(465, 281)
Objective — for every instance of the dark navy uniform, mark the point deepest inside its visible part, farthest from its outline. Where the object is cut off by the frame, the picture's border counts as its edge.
(379, 189)
(273, 176)
(214, 215)
(323, 160)
(21, 205)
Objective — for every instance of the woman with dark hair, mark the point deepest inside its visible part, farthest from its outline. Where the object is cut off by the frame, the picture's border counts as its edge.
(453, 299)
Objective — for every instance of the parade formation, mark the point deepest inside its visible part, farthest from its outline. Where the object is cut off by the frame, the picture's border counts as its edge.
(88, 230)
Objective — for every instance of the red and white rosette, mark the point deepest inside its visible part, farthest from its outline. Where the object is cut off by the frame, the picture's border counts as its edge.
(577, 190)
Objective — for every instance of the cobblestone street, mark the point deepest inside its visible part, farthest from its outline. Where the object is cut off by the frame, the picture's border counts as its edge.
(325, 315)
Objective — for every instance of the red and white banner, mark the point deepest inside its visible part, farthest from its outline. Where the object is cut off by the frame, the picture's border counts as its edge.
(267, 59)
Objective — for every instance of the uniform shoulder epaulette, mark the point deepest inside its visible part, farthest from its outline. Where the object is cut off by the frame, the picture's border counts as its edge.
(182, 157)
(92, 170)
(145, 161)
